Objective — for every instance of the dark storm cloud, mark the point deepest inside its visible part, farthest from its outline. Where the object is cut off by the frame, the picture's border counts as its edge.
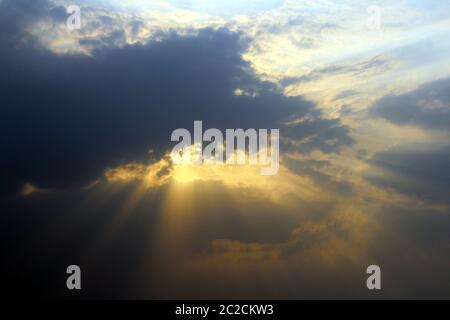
(65, 118)
(412, 246)
(427, 107)
(425, 175)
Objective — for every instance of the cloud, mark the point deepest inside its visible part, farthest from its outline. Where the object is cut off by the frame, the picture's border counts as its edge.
(366, 68)
(66, 118)
(154, 175)
(419, 173)
(70, 119)
(411, 245)
(425, 175)
(428, 106)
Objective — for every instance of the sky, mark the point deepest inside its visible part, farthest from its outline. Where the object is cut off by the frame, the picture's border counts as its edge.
(87, 178)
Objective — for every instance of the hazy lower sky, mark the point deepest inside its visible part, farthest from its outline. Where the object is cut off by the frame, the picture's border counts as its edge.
(360, 91)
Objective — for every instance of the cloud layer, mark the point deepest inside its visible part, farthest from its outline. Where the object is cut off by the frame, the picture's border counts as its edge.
(85, 125)
(65, 118)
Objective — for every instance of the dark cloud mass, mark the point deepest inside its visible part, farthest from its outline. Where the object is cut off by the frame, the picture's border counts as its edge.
(425, 175)
(427, 107)
(422, 174)
(65, 118)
